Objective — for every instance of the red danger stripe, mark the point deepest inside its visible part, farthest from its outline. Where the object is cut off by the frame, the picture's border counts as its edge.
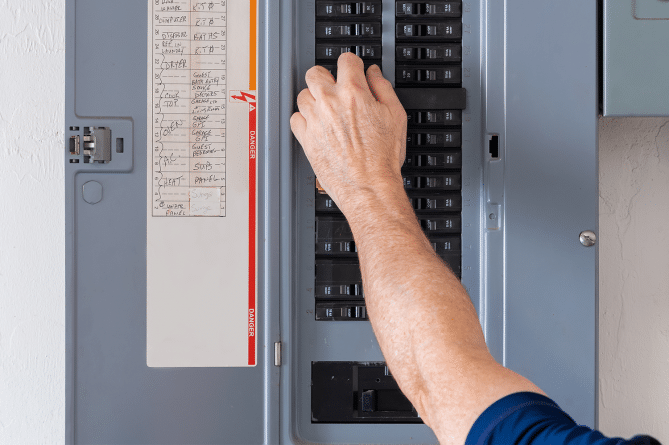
(252, 320)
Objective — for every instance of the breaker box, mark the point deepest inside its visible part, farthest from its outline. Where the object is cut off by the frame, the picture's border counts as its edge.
(213, 289)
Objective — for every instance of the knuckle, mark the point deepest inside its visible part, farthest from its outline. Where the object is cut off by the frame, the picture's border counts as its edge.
(383, 82)
(351, 90)
(403, 114)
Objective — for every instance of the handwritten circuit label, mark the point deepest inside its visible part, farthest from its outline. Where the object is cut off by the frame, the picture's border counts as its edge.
(202, 185)
(189, 78)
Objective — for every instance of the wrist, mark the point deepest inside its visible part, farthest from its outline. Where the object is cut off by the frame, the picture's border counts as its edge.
(368, 208)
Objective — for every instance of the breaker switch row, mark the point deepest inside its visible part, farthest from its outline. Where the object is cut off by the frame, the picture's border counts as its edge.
(341, 311)
(434, 117)
(446, 223)
(328, 51)
(429, 53)
(335, 229)
(347, 30)
(429, 31)
(439, 203)
(349, 9)
(442, 182)
(433, 160)
(429, 9)
(425, 203)
(431, 138)
(426, 75)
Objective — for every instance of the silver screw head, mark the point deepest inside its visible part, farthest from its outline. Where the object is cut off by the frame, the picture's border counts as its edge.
(588, 238)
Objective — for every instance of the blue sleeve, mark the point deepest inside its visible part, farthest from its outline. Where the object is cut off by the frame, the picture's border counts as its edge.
(527, 418)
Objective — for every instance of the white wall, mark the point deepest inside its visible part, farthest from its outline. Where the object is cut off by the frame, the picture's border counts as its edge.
(634, 246)
(32, 294)
(634, 276)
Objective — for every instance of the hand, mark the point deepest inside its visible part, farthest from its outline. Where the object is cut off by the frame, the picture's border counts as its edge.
(353, 131)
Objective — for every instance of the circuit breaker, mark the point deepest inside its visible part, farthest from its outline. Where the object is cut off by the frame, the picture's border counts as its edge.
(214, 293)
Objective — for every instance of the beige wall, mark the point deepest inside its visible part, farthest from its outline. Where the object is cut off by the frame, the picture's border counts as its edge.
(634, 277)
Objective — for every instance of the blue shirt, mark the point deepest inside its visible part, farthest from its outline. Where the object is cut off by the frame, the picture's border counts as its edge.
(527, 418)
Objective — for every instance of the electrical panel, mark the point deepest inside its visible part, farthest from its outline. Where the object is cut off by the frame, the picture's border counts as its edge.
(634, 62)
(214, 293)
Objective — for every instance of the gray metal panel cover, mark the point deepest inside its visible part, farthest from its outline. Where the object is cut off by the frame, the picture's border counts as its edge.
(636, 60)
(550, 185)
(112, 396)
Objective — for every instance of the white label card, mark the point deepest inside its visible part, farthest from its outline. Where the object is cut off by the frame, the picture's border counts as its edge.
(201, 184)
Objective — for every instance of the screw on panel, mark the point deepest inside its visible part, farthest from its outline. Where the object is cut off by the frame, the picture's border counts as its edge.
(588, 238)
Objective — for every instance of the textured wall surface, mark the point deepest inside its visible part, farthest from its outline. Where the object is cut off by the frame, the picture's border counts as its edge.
(32, 294)
(634, 246)
(634, 277)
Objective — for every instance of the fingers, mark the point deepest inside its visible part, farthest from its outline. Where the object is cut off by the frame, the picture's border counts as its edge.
(319, 80)
(299, 126)
(381, 88)
(305, 102)
(351, 70)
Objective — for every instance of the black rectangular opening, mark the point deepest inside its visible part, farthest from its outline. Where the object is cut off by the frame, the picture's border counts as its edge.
(493, 146)
(119, 145)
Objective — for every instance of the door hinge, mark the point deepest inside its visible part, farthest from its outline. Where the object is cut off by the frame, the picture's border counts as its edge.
(277, 353)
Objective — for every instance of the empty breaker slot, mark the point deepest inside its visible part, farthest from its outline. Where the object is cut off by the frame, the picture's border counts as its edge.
(334, 236)
(338, 279)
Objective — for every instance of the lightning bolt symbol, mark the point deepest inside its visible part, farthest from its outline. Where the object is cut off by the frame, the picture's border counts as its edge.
(244, 96)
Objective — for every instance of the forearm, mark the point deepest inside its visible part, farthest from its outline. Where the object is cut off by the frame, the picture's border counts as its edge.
(423, 318)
